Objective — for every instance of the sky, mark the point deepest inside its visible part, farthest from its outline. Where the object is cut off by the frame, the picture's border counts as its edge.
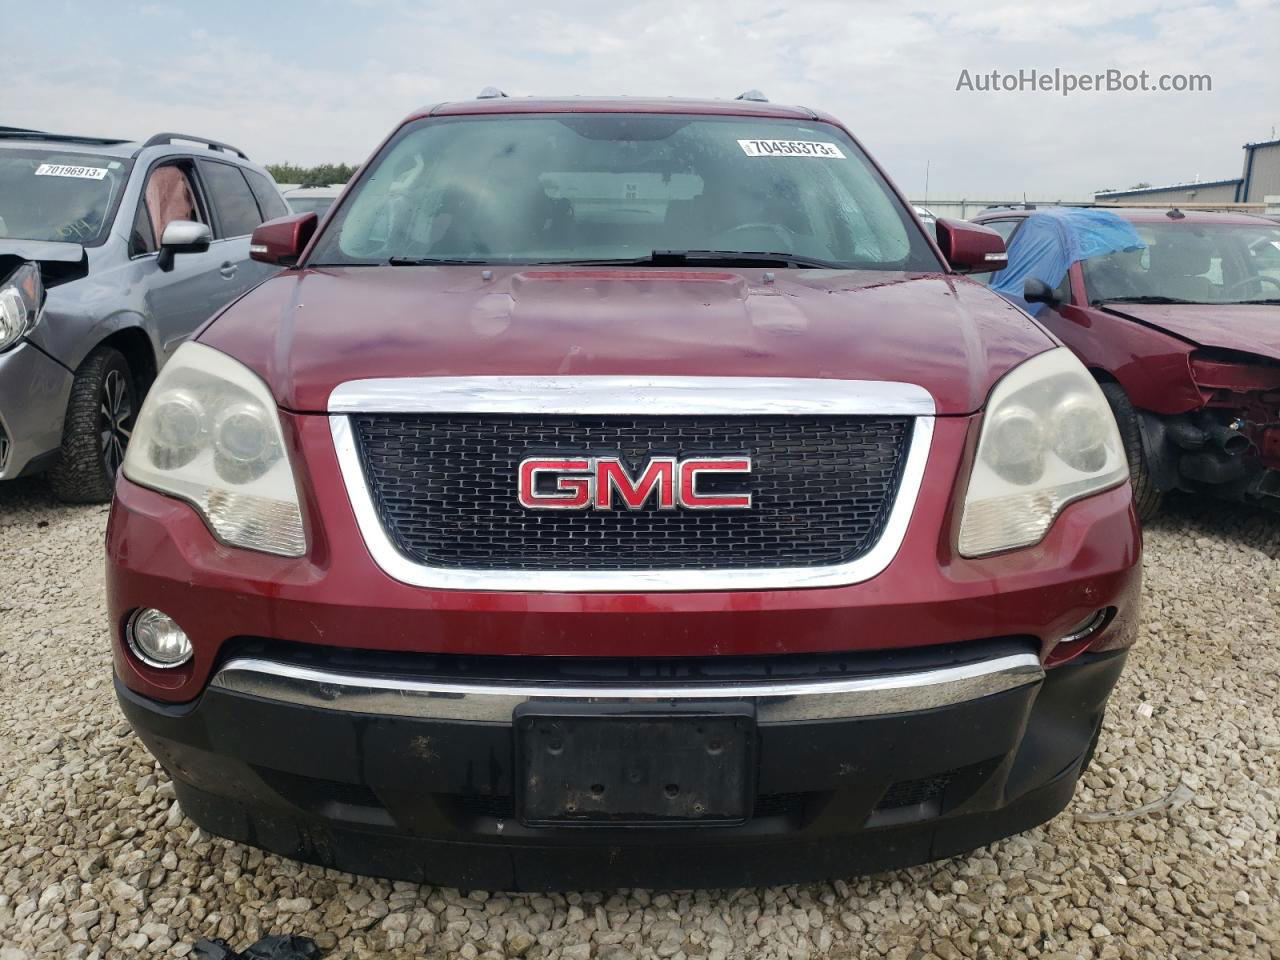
(324, 81)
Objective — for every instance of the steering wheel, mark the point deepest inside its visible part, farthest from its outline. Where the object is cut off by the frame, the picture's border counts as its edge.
(773, 228)
(1262, 276)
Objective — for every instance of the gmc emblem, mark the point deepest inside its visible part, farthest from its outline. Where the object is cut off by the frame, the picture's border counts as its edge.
(604, 483)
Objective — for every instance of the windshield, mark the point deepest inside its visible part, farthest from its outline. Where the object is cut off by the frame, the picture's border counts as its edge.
(1193, 263)
(59, 195)
(602, 187)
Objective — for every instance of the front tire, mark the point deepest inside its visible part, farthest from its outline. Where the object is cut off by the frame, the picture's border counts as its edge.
(99, 422)
(1147, 498)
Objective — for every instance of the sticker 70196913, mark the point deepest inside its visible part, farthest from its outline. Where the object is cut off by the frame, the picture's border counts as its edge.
(790, 148)
(69, 170)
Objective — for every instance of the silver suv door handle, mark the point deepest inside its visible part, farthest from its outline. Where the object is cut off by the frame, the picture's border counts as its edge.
(228, 270)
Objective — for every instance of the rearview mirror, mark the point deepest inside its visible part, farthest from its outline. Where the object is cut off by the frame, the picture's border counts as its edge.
(182, 236)
(282, 240)
(970, 247)
(1037, 291)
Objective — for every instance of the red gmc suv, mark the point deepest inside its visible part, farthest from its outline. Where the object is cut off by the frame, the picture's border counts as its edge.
(621, 492)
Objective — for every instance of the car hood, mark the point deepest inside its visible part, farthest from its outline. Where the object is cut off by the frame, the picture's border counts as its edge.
(1227, 326)
(307, 331)
(58, 261)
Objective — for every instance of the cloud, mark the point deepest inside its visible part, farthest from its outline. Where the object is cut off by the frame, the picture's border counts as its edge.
(323, 82)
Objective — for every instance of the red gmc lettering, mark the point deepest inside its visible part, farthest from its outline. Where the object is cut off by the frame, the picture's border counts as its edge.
(605, 483)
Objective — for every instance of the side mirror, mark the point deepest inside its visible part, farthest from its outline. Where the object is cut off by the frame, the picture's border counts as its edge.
(282, 240)
(1037, 291)
(182, 236)
(970, 247)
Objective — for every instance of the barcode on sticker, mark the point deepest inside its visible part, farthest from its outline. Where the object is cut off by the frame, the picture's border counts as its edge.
(789, 148)
(67, 170)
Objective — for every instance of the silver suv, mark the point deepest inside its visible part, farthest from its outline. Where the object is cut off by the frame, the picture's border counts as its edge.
(112, 253)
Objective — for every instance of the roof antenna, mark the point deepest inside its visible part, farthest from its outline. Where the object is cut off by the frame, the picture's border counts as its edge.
(1176, 214)
(490, 93)
(754, 95)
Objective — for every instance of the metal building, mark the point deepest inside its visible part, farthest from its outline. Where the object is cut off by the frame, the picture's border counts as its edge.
(1261, 178)
(1259, 181)
(1214, 191)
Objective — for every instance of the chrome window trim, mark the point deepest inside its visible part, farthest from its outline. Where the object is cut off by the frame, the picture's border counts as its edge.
(495, 701)
(634, 396)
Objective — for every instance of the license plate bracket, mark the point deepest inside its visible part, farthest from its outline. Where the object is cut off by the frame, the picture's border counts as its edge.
(635, 767)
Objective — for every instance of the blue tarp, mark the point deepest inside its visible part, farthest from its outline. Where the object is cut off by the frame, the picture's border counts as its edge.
(1054, 238)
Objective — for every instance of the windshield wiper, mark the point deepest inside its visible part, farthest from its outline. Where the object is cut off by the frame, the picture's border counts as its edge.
(1146, 299)
(1266, 302)
(718, 258)
(429, 261)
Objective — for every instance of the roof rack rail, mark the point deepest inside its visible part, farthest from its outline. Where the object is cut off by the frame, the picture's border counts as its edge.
(23, 133)
(162, 139)
(754, 95)
(491, 93)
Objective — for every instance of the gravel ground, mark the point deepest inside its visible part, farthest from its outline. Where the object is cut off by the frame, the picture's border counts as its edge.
(96, 859)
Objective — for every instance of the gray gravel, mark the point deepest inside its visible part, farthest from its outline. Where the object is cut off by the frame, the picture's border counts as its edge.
(96, 859)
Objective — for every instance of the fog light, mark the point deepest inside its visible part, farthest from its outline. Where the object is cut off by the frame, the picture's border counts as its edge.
(1086, 626)
(157, 641)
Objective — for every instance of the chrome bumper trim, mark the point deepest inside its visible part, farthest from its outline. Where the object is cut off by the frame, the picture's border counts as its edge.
(495, 701)
(592, 396)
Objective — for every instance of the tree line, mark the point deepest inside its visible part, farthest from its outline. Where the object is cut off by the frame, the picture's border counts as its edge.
(318, 176)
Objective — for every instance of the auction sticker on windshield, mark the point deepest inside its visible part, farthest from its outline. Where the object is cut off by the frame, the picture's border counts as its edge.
(789, 148)
(66, 170)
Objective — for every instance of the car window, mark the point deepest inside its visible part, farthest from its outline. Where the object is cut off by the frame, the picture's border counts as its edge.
(141, 238)
(59, 196)
(268, 196)
(566, 187)
(1006, 229)
(1195, 262)
(231, 197)
(170, 195)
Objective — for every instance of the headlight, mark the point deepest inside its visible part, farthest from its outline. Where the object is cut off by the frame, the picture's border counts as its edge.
(209, 433)
(1048, 438)
(21, 297)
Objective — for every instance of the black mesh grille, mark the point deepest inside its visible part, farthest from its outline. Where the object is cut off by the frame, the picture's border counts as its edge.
(909, 793)
(445, 488)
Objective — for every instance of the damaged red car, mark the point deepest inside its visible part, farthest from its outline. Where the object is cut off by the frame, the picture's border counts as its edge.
(622, 493)
(1182, 330)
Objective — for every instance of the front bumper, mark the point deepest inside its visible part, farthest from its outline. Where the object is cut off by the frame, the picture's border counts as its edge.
(426, 794)
(323, 770)
(34, 390)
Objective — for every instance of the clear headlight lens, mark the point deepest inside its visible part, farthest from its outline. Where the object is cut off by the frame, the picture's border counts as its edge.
(1048, 438)
(21, 297)
(209, 433)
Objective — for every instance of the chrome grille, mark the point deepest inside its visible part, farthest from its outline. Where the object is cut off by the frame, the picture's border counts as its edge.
(444, 488)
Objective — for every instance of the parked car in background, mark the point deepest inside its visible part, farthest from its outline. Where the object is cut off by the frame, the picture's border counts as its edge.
(1183, 333)
(111, 254)
(315, 200)
(622, 492)
(927, 216)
